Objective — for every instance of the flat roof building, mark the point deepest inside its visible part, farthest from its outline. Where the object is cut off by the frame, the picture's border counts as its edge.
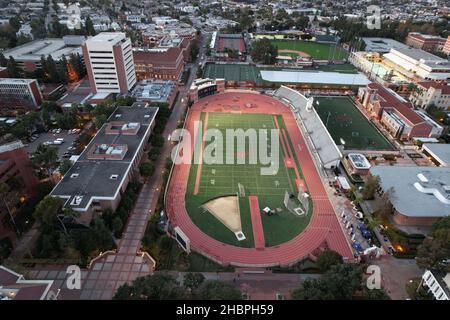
(13, 286)
(381, 45)
(419, 195)
(315, 77)
(161, 63)
(416, 64)
(439, 153)
(28, 56)
(19, 94)
(160, 91)
(101, 174)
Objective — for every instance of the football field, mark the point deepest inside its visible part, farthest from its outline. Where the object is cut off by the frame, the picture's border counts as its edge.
(217, 180)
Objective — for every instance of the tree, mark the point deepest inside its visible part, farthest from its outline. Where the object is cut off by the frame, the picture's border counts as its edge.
(23, 38)
(3, 60)
(47, 210)
(340, 282)
(327, 259)
(375, 294)
(159, 286)
(65, 166)
(14, 22)
(100, 121)
(371, 185)
(193, 280)
(46, 157)
(146, 170)
(13, 69)
(38, 29)
(218, 290)
(89, 27)
(434, 250)
(442, 223)
(264, 52)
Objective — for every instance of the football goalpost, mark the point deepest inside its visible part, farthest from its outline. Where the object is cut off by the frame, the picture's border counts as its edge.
(241, 190)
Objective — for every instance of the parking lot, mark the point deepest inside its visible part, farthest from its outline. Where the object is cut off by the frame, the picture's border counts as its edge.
(49, 136)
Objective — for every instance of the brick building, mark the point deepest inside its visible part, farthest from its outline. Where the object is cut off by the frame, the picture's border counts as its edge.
(159, 63)
(425, 42)
(14, 164)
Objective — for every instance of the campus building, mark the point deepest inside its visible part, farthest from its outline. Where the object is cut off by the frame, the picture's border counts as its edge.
(438, 284)
(429, 93)
(419, 195)
(446, 48)
(425, 42)
(160, 91)
(19, 94)
(417, 65)
(109, 63)
(15, 164)
(394, 113)
(439, 153)
(14, 286)
(159, 63)
(201, 88)
(101, 174)
(28, 56)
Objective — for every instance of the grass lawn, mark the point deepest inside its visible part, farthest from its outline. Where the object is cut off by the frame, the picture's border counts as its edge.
(345, 121)
(222, 179)
(341, 68)
(316, 50)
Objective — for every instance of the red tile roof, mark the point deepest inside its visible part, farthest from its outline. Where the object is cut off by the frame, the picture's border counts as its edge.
(437, 85)
(388, 100)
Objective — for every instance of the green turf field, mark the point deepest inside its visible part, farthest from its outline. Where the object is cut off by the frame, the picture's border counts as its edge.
(233, 72)
(222, 179)
(316, 50)
(347, 122)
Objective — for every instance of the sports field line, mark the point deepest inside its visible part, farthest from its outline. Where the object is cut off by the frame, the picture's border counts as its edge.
(199, 166)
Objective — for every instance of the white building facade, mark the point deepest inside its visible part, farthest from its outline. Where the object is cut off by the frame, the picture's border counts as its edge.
(109, 63)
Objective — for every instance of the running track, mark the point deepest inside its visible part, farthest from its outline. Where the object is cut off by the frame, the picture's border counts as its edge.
(258, 232)
(323, 231)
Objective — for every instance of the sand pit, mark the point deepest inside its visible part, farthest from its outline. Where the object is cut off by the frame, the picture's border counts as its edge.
(226, 210)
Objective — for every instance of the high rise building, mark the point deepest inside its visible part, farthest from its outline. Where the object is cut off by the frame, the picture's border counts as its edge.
(109, 62)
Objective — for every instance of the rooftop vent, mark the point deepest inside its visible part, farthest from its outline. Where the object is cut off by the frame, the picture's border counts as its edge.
(114, 177)
(118, 116)
(74, 175)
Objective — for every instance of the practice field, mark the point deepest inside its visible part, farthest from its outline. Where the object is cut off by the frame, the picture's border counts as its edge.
(344, 121)
(217, 180)
(320, 51)
(233, 72)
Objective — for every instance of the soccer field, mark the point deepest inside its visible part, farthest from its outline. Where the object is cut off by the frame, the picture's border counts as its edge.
(223, 179)
(344, 121)
(316, 50)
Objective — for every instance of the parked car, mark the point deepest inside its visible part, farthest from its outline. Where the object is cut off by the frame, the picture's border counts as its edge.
(58, 142)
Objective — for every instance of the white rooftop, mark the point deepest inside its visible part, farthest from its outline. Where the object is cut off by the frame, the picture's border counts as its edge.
(320, 77)
(440, 151)
(417, 191)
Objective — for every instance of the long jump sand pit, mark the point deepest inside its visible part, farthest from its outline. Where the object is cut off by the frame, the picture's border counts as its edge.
(226, 210)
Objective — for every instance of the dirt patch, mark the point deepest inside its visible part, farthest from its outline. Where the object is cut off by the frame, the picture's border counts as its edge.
(226, 210)
(299, 53)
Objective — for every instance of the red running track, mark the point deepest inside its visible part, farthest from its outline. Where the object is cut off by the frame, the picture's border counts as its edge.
(258, 231)
(323, 231)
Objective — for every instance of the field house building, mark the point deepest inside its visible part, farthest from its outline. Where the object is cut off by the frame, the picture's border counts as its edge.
(99, 177)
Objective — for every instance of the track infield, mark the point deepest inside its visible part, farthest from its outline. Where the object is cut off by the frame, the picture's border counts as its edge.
(208, 236)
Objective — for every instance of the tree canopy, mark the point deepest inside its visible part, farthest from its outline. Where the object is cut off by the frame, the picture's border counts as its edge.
(263, 51)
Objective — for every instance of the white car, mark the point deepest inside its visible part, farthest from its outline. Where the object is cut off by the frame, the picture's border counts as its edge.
(359, 215)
